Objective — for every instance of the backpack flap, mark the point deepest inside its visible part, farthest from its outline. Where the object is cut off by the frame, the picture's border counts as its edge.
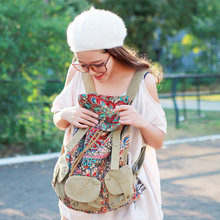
(84, 192)
(120, 186)
(82, 188)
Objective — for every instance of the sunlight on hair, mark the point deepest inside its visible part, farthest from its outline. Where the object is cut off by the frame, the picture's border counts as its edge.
(156, 68)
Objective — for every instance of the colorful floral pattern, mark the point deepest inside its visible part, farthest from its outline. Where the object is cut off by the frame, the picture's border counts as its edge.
(97, 160)
(104, 106)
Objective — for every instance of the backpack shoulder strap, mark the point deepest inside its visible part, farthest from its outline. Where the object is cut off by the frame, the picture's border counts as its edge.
(134, 84)
(88, 83)
(132, 89)
(131, 92)
(116, 140)
(138, 163)
(76, 138)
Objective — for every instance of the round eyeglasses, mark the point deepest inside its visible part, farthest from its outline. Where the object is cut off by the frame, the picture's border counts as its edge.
(98, 68)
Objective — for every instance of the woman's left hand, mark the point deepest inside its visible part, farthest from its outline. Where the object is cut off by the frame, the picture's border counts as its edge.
(129, 116)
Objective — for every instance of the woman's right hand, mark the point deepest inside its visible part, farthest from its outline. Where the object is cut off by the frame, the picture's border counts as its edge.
(80, 117)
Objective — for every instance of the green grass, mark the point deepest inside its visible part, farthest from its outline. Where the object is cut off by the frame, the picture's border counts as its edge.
(193, 126)
(203, 97)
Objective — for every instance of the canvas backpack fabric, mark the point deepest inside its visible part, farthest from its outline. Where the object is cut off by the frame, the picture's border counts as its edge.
(94, 174)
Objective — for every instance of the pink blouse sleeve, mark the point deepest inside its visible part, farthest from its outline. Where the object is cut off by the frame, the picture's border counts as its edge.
(150, 109)
(155, 113)
(64, 99)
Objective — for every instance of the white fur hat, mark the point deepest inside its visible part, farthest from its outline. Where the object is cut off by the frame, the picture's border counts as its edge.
(96, 29)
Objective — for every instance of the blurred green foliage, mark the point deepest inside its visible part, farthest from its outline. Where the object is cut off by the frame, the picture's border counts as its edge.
(170, 30)
(34, 50)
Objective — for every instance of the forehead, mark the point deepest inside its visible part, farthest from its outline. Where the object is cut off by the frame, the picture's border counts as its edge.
(90, 56)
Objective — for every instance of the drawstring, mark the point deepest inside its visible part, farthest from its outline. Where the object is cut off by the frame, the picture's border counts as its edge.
(90, 144)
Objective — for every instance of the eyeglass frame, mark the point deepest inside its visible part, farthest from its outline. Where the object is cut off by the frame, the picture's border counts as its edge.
(90, 65)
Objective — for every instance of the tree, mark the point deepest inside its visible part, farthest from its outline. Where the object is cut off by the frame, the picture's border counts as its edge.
(33, 49)
(153, 23)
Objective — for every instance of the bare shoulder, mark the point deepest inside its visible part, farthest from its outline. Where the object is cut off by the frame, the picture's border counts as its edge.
(151, 85)
(71, 72)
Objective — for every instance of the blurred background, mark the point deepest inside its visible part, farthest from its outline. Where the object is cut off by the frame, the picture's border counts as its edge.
(182, 36)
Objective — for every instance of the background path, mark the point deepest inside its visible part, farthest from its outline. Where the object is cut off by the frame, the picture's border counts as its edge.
(192, 104)
(190, 180)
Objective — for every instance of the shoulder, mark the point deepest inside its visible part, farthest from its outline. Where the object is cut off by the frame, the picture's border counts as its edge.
(151, 86)
(71, 72)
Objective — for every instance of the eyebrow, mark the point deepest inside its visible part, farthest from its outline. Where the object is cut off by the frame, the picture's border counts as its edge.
(91, 62)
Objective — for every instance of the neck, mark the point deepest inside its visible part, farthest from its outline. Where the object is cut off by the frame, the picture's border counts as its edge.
(121, 69)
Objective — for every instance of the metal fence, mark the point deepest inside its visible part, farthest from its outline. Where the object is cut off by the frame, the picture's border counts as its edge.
(181, 79)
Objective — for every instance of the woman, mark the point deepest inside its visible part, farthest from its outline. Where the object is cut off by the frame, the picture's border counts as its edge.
(96, 37)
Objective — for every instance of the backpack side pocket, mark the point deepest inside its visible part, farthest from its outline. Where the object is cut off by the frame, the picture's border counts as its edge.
(60, 172)
(120, 184)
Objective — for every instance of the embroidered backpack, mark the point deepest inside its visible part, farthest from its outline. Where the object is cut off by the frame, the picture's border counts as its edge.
(94, 174)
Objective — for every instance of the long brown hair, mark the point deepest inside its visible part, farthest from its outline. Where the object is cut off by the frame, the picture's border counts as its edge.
(130, 58)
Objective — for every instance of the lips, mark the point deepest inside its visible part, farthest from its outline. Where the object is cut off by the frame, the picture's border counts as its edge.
(99, 77)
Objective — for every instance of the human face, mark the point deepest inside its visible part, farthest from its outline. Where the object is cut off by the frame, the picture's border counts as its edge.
(96, 63)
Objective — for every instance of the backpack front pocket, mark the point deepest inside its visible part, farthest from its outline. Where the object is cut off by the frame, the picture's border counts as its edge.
(84, 192)
(120, 186)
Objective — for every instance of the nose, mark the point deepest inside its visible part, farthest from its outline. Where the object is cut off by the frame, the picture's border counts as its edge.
(91, 72)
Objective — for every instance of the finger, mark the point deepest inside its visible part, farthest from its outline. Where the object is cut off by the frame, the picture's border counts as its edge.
(121, 108)
(125, 122)
(78, 125)
(125, 118)
(90, 113)
(85, 122)
(89, 118)
(124, 113)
